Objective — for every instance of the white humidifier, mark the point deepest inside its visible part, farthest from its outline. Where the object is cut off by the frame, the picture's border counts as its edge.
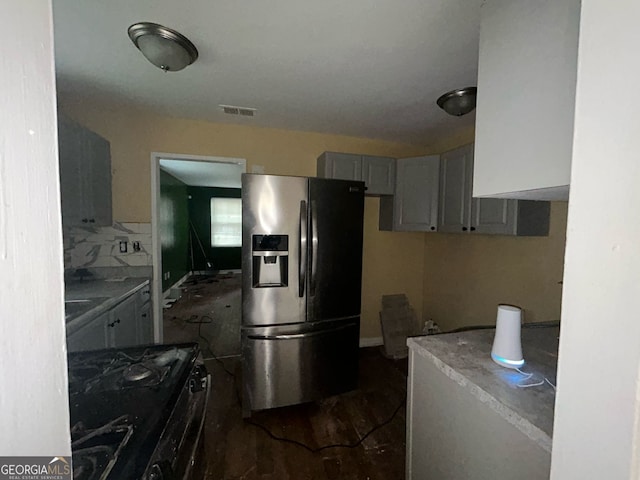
(507, 348)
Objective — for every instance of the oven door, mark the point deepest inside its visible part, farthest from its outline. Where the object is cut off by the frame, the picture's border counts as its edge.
(178, 454)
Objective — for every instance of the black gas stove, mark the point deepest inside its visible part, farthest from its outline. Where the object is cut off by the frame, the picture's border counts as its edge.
(137, 413)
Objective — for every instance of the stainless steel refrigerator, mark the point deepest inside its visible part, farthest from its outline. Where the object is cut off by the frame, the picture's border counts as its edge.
(301, 285)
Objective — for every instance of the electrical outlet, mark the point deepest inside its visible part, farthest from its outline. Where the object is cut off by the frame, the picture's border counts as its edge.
(123, 246)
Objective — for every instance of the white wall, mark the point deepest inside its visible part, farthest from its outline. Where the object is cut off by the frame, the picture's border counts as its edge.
(597, 404)
(34, 410)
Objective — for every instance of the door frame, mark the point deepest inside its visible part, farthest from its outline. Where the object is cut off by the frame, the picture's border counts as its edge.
(156, 283)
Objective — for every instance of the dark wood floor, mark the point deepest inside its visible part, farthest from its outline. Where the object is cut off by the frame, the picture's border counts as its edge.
(208, 313)
(236, 449)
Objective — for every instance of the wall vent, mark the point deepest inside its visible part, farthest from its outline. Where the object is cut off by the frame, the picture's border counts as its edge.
(243, 111)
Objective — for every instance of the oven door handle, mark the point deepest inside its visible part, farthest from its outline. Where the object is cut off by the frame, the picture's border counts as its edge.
(194, 453)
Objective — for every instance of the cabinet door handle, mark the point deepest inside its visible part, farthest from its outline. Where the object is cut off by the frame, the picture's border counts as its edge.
(433, 228)
(93, 220)
(85, 220)
(464, 229)
(473, 229)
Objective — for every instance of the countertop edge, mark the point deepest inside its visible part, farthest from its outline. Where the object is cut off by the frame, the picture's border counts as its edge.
(514, 418)
(76, 324)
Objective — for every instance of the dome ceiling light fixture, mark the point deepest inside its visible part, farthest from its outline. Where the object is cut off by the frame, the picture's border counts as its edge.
(458, 102)
(167, 49)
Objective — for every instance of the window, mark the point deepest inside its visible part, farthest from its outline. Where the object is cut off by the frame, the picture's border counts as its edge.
(226, 222)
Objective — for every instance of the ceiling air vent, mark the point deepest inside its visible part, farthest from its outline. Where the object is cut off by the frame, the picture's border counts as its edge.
(243, 111)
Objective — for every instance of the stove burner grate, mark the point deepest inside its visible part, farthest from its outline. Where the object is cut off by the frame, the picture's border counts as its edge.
(121, 371)
(139, 371)
(96, 451)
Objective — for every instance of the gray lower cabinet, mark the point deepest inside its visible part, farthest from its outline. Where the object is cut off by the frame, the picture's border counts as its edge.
(85, 175)
(414, 207)
(122, 329)
(378, 173)
(145, 324)
(129, 322)
(459, 212)
(144, 318)
(92, 336)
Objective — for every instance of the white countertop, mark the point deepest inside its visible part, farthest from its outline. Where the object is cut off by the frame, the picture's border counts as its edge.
(466, 359)
(104, 294)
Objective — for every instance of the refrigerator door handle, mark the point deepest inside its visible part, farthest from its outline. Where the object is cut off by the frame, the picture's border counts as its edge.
(294, 336)
(302, 253)
(314, 248)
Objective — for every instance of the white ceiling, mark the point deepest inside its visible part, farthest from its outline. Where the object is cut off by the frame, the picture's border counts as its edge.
(204, 174)
(370, 68)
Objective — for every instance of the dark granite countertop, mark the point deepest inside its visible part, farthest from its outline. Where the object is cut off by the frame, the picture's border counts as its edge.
(466, 359)
(86, 299)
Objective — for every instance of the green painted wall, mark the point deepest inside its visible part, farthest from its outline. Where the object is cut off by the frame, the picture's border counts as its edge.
(223, 258)
(174, 229)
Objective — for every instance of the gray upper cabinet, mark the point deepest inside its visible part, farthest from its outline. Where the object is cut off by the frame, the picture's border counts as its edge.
(495, 216)
(378, 173)
(341, 166)
(414, 207)
(456, 172)
(98, 151)
(85, 175)
(71, 178)
(460, 212)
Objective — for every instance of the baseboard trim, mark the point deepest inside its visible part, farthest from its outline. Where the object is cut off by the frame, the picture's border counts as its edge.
(370, 342)
(216, 272)
(166, 293)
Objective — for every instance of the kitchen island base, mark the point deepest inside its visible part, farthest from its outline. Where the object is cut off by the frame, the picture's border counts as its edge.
(467, 418)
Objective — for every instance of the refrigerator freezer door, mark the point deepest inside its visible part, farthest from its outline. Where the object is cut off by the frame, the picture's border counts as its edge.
(272, 232)
(336, 210)
(286, 366)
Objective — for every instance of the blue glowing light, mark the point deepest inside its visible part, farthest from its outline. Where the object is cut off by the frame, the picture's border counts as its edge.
(508, 363)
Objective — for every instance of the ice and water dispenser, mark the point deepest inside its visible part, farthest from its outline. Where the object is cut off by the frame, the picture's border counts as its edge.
(270, 260)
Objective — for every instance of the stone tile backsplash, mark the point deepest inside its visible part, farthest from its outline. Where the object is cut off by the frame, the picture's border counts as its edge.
(94, 246)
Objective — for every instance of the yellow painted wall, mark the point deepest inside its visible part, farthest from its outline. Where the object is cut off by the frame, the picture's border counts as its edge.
(392, 261)
(467, 276)
(455, 279)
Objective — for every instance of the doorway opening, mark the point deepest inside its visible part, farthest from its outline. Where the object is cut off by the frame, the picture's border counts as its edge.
(196, 236)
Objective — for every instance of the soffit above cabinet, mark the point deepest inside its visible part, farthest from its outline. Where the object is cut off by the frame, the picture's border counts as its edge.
(526, 96)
